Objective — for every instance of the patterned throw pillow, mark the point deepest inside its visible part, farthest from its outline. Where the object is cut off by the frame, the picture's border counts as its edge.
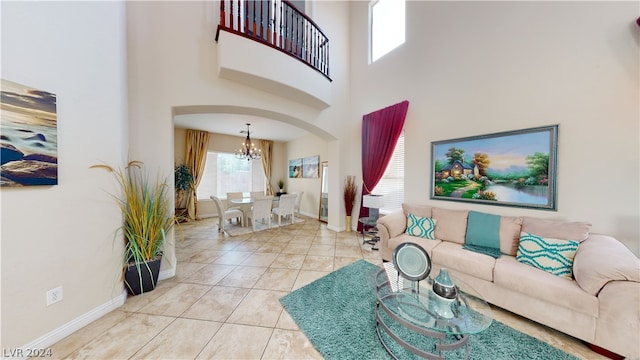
(548, 254)
(421, 226)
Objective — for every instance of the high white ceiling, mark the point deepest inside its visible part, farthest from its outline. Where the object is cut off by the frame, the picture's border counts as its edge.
(233, 124)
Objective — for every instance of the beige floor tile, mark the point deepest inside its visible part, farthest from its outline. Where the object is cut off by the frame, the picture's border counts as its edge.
(250, 245)
(277, 279)
(260, 259)
(339, 262)
(259, 308)
(320, 240)
(186, 269)
(217, 304)
(206, 256)
(175, 301)
(135, 303)
(297, 249)
(210, 274)
(83, 336)
(308, 276)
(288, 261)
(185, 254)
(182, 339)
(319, 263)
(289, 344)
(243, 276)
(235, 341)
(303, 239)
(321, 250)
(232, 258)
(125, 339)
(286, 322)
(343, 251)
(272, 247)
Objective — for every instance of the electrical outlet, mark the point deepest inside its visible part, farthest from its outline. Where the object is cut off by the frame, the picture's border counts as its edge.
(54, 295)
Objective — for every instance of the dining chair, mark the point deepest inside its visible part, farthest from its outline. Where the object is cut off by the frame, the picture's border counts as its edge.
(296, 207)
(286, 207)
(231, 196)
(257, 194)
(261, 210)
(224, 215)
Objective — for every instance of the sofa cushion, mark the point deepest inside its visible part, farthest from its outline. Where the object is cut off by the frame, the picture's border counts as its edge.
(452, 256)
(551, 255)
(510, 228)
(592, 271)
(452, 224)
(418, 210)
(511, 274)
(424, 227)
(428, 245)
(483, 234)
(563, 230)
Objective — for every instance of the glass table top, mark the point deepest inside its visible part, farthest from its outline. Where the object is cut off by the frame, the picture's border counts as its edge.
(417, 304)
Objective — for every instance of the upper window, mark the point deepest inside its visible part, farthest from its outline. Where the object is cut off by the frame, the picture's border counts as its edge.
(392, 183)
(223, 173)
(387, 26)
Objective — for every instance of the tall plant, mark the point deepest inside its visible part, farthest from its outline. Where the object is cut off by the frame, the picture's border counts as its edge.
(183, 182)
(350, 191)
(145, 206)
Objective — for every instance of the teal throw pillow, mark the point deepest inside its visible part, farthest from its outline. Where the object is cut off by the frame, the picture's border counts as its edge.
(421, 226)
(551, 255)
(483, 234)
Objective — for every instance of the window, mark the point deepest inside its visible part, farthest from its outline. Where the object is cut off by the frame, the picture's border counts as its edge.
(223, 173)
(392, 183)
(386, 18)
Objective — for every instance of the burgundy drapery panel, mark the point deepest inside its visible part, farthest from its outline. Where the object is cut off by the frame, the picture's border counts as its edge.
(380, 132)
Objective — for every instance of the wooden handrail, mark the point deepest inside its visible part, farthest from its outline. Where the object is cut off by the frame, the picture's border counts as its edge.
(280, 25)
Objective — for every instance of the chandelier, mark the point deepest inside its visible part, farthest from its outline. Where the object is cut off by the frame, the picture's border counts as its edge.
(248, 150)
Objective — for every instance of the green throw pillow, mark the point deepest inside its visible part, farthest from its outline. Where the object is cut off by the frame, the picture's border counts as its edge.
(483, 234)
(548, 254)
(421, 226)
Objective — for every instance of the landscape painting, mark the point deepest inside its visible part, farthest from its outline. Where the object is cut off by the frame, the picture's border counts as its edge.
(29, 137)
(295, 168)
(515, 168)
(310, 167)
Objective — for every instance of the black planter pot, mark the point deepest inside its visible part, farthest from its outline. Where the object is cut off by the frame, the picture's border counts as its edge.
(142, 277)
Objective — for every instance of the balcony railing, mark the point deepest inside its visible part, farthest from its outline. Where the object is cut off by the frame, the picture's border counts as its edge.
(277, 23)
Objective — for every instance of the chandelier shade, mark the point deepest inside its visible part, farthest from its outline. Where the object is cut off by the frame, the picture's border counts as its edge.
(248, 150)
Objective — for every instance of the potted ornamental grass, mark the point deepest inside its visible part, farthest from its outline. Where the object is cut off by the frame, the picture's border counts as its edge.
(350, 191)
(147, 214)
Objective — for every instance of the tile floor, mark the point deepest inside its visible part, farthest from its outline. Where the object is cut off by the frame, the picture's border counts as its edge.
(223, 301)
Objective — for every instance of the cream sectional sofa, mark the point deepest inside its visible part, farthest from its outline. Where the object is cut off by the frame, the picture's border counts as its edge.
(600, 304)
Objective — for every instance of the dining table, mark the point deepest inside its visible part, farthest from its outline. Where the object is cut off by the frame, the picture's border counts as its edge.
(245, 204)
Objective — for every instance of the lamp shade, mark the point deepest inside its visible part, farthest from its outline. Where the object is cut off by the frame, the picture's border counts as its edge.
(373, 201)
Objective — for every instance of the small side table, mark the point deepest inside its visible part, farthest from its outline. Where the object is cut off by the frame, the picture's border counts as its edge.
(369, 229)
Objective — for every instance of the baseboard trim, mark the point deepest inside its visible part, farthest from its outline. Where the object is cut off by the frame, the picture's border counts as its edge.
(76, 324)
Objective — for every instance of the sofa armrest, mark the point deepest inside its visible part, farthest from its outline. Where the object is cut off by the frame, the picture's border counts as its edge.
(391, 225)
(601, 259)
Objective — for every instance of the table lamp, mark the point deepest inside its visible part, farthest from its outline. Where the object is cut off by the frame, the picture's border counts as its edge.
(374, 203)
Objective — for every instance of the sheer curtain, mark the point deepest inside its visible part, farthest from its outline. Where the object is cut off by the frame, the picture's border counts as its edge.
(195, 158)
(267, 158)
(380, 132)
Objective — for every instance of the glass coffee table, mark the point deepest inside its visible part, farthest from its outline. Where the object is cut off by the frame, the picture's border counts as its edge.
(413, 316)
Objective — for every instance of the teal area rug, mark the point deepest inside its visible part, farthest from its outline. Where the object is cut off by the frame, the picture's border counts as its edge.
(336, 313)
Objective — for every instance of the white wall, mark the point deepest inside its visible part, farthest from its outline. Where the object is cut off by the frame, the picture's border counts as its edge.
(472, 68)
(305, 146)
(64, 235)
